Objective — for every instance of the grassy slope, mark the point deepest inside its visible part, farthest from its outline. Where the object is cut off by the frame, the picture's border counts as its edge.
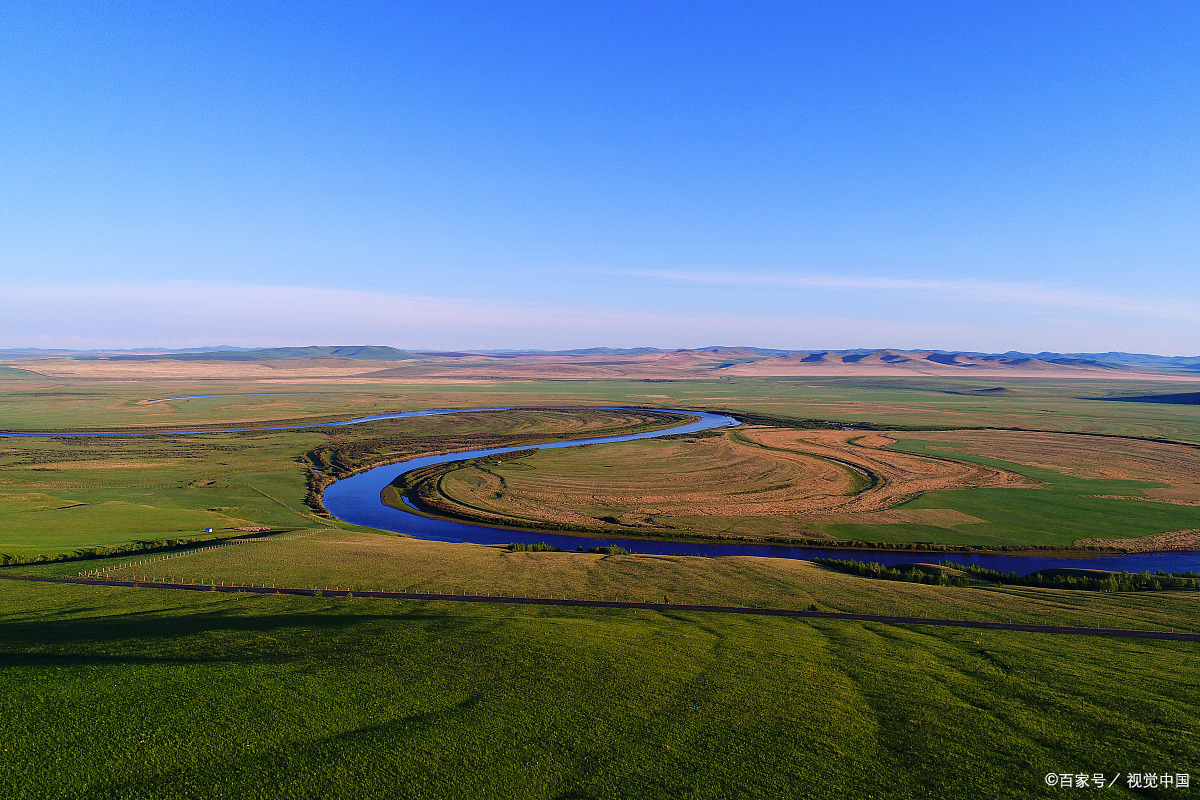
(360, 560)
(128, 694)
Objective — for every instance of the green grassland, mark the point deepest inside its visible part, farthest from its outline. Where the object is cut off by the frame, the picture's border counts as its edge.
(145, 693)
(1059, 405)
(111, 693)
(57, 495)
(1062, 510)
(360, 560)
(61, 494)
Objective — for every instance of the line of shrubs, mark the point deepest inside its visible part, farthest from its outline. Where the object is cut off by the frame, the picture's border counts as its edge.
(316, 482)
(936, 547)
(1046, 579)
(542, 547)
(85, 553)
(1099, 582)
(870, 569)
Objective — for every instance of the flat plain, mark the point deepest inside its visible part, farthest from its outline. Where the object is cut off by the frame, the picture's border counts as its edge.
(151, 693)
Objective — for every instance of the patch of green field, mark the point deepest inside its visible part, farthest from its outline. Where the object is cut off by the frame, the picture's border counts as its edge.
(72, 524)
(81, 406)
(110, 693)
(1061, 511)
(113, 490)
(13, 372)
(57, 495)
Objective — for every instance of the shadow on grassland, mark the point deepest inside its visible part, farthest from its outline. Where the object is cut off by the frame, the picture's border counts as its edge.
(219, 637)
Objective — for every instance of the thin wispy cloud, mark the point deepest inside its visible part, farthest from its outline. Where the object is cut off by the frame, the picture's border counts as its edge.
(1043, 295)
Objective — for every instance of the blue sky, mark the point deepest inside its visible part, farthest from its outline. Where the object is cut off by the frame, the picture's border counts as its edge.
(984, 176)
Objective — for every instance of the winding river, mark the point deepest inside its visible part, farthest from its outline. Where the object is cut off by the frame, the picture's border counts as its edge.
(357, 500)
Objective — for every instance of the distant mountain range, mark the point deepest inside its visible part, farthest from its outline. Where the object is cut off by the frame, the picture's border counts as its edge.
(1142, 360)
(357, 352)
(730, 360)
(921, 362)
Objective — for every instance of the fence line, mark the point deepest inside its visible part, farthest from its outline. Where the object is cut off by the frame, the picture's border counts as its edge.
(104, 572)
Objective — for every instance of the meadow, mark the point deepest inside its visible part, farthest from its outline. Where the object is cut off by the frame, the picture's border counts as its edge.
(111, 693)
(39, 403)
(323, 558)
(146, 693)
(60, 494)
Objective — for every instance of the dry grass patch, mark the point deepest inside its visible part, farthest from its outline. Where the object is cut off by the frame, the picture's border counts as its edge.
(1092, 457)
(789, 479)
(1177, 541)
(203, 370)
(105, 465)
(896, 476)
(1079, 455)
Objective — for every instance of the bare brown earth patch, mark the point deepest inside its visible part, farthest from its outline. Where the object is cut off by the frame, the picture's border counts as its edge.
(1176, 493)
(872, 440)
